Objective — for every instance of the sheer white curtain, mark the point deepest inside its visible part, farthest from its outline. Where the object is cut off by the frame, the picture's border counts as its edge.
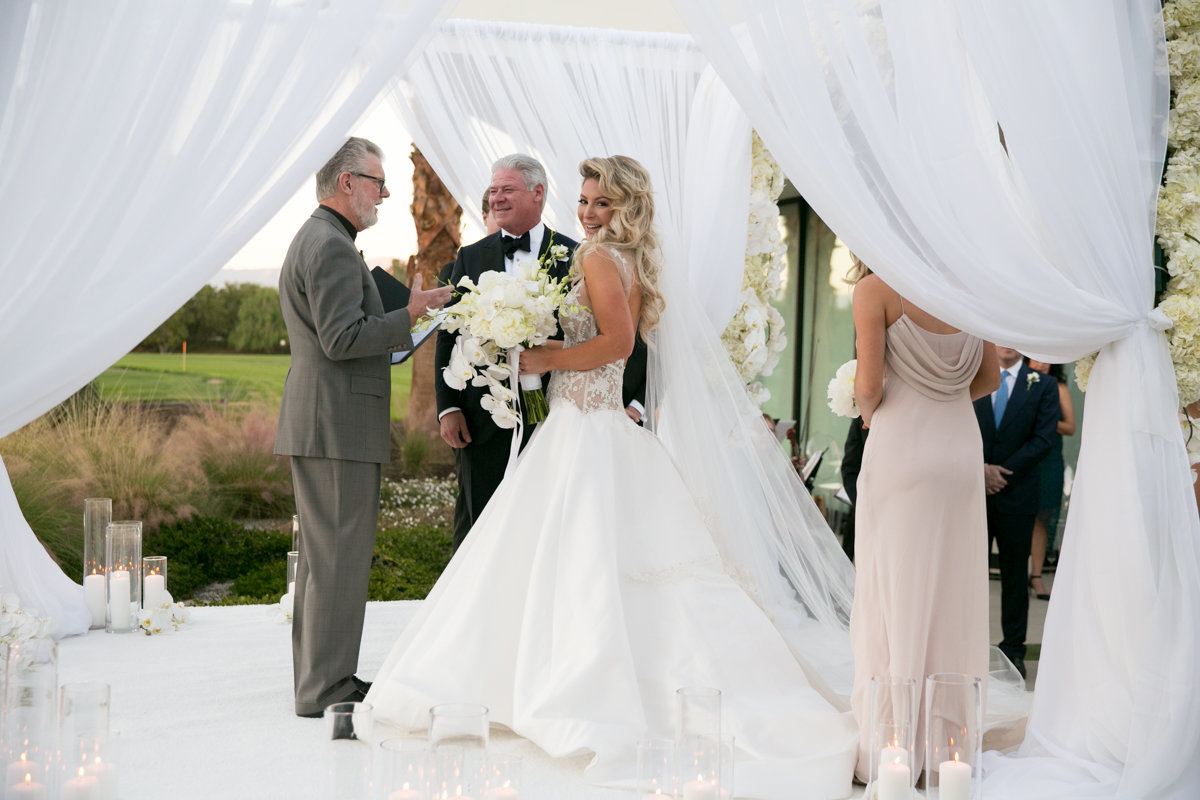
(886, 115)
(141, 145)
(481, 90)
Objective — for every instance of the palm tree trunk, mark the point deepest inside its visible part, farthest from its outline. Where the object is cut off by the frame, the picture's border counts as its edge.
(438, 219)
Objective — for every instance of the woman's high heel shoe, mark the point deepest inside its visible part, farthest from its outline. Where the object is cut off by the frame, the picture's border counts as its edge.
(1032, 588)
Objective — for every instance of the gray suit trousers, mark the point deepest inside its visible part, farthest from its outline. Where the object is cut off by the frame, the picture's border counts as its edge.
(338, 503)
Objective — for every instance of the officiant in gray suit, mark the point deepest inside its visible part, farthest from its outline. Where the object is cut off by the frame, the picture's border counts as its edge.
(334, 418)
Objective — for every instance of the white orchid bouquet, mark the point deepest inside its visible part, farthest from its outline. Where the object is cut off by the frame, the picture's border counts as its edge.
(18, 624)
(165, 617)
(496, 319)
(841, 390)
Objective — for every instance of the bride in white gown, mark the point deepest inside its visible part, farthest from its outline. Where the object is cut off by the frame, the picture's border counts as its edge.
(596, 582)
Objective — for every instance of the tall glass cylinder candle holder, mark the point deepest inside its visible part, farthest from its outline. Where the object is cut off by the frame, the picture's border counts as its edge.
(29, 729)
(94, 763)
(295, 533)
(504, 777)
(700, 768)
(154, 581)
(699, 713)
(123, 570)
(97, 513)
(462, 725)
(953, 736)
(83, 710)
(293, 563)
(656, 769)
(349, 729)
(893, 724)
(402, 768)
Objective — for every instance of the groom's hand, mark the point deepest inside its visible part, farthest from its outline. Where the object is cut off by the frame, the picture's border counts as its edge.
(454, 430)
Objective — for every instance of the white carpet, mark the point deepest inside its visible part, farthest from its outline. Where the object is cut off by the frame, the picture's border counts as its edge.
(207, 712)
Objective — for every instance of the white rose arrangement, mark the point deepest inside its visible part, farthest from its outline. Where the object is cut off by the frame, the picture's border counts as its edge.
(497, 318)
(754, 337)
(1179, 199)
(841, 391)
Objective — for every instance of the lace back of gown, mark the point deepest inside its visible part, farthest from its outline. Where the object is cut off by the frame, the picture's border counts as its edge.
(594, 389)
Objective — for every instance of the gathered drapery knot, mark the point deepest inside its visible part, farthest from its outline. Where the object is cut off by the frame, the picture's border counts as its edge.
(1157, 321)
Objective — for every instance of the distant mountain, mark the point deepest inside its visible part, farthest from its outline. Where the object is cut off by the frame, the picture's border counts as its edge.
(263, 277)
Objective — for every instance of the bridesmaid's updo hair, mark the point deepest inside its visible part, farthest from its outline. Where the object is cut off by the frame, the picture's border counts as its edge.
(626, 183)
(858, 270)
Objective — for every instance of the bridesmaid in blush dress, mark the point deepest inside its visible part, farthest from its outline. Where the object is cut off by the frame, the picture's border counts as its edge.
(920, 598)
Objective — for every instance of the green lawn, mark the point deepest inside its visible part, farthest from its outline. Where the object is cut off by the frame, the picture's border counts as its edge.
(211, 377)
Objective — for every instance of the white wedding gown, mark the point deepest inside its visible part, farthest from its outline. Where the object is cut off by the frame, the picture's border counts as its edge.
(590, 590)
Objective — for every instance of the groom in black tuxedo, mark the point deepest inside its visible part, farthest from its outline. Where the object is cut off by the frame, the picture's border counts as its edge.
(1017, 422)
(517, 194)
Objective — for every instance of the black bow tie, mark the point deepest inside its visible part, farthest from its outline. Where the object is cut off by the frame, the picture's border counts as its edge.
(512, 244)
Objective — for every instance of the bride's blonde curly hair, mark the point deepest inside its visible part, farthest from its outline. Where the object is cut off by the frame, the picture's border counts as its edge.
(627, 184)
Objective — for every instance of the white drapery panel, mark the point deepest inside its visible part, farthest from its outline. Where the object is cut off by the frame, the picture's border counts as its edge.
(481, 90)
(886, 115)
(141, 145)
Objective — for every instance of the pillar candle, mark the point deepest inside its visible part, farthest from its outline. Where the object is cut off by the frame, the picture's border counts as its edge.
(81, 787)
(699, 790)
(119, 599)
(895, 782)
(893, 755)
(106, 778)
(27, 789)
(18, 769)
(93, 595)
(154, 587)
(504, 793)
(954, 781)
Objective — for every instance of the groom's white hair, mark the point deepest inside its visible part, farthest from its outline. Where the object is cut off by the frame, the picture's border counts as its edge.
(532, 171)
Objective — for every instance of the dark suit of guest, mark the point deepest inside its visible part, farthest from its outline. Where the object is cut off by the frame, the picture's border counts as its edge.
(480, 465)
(633, 382)
(856, 439)
(1018, 442)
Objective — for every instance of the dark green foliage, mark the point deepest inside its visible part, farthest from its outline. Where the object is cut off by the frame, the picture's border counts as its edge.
(265, 584)
(259, 327)
(204, 550)
(408, 562)
(249, 484)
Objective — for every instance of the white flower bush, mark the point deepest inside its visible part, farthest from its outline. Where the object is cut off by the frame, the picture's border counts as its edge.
(493, 318)
(754, 337)
(841, 391)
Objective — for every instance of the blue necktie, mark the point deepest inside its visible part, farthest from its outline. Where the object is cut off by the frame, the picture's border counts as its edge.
(1001, 397)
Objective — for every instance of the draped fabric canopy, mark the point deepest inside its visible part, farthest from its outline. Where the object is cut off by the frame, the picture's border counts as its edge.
(143, 144)
(481, 90)
(998, 164)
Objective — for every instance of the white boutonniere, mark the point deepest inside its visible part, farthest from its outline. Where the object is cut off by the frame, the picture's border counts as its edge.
(1031, 379)
(558, 252)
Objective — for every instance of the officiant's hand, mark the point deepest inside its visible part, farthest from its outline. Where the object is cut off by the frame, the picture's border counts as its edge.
(454, 429)
(421, 302)
(993, 477)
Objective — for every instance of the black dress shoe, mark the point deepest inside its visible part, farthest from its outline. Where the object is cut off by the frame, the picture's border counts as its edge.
(363, 686)
(1019, 663)
(355, 695)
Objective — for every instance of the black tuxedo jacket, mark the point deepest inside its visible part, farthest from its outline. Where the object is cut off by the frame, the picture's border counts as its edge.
(633, 383)
(473, 260)
(1021, 442)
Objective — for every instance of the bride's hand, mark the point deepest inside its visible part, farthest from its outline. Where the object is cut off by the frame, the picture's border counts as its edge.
(535, 361)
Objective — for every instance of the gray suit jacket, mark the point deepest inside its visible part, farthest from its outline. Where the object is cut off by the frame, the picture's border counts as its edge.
(337, 397)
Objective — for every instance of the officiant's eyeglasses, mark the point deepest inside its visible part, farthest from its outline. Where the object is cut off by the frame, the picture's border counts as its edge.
(379, 181)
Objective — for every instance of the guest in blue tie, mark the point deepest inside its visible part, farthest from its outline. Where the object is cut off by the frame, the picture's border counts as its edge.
(1017, 423)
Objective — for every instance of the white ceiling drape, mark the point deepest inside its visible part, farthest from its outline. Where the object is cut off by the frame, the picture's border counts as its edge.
(887, 117)
(482, 90)
(143, 144)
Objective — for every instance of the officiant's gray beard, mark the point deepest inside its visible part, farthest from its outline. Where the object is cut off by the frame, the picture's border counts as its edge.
(366, 211)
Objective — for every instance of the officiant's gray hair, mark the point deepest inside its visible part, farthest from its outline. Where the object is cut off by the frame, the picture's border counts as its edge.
(532, 171)
(350, 157)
